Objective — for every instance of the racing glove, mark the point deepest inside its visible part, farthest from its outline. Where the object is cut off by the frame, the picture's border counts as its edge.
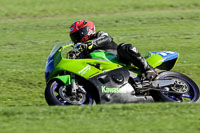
(80, 46)
(90, 44)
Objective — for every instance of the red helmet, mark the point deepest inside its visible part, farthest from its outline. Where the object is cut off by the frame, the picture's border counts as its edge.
(80, 31)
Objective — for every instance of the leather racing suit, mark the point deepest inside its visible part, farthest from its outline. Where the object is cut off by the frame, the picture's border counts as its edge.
(127, 52)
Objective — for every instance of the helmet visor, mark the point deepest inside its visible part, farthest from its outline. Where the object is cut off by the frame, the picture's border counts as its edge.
(78, 35)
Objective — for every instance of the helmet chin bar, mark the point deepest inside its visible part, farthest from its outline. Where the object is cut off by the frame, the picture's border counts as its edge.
(84, 39)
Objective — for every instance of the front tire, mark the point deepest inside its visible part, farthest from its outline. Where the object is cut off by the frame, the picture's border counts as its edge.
(192, 94)
(56, 93)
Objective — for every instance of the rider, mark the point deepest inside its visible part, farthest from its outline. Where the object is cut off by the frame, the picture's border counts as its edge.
(83, 34)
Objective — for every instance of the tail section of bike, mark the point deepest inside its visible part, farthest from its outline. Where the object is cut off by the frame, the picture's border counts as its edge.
(164, 60)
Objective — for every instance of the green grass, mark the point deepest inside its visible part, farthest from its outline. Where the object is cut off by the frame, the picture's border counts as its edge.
(130, 118)
(29, 30)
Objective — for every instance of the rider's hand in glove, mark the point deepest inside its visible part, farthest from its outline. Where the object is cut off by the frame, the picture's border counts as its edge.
(90, 44)
(80, 46)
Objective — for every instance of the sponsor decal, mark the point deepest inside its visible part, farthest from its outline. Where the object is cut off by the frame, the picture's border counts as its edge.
(165, 53)
(84, 70)
(110, 90)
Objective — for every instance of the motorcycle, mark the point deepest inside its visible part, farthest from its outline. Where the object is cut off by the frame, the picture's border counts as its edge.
(104, 79)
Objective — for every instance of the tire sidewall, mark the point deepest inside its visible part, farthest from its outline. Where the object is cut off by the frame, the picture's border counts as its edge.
(158, 96)
(49, 95)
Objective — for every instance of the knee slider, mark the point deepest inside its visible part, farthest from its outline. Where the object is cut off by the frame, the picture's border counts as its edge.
(124, 47)
(129, 48)
(132, 49)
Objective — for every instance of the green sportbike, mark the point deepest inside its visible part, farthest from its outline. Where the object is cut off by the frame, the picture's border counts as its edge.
(103, 79)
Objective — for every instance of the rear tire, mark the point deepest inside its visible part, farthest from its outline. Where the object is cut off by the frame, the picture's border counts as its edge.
(191, 96)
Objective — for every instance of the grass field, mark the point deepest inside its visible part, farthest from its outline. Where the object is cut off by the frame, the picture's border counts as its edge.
(129, 118)
(29, 30)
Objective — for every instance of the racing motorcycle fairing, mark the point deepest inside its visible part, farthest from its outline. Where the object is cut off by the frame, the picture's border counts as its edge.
(164, 60)
(113, 87)
(106, 56)
(85, 68)
(54, 58)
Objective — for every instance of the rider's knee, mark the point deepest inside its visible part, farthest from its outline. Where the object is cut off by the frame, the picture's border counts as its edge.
(127, 49)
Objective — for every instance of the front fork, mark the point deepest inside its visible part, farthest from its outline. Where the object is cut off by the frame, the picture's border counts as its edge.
(74, 86)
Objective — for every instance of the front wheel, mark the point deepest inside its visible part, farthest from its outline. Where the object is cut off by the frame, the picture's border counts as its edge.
(56, 93)
(185, 88)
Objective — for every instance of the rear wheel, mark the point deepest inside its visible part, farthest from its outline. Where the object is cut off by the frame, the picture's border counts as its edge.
(56, 93)
(185, 89)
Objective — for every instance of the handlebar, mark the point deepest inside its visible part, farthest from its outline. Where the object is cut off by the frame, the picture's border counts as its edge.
(77, 49)
(74, 53)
